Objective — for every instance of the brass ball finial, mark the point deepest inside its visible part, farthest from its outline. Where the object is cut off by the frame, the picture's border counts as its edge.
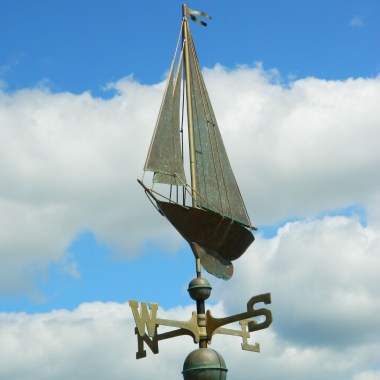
(199, 289)
(204, 364)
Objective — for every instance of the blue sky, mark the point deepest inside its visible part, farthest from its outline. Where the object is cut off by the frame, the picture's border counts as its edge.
(81, 46)
(77, 47)
(295, 86)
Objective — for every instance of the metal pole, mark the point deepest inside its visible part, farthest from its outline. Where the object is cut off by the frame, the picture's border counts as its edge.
(185, 37)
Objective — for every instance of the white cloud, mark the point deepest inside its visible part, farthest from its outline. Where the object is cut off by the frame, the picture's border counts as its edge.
(96, 341)
(323, 276)
(302, 149)
(368, 375)
(356, 22)
(69, 163)
(322, 273)
(70, 266)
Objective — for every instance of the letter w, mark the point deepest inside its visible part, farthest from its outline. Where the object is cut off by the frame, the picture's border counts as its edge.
(144, 317)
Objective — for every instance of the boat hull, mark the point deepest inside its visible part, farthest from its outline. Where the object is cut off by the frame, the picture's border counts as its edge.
(209, 230)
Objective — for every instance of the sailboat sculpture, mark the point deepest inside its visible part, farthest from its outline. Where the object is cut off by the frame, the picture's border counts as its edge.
(208, 212)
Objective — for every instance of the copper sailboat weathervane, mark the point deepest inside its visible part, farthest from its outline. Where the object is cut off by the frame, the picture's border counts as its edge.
(208, 211)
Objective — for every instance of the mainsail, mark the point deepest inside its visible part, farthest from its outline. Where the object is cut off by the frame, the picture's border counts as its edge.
(215, 222)
(216, 183)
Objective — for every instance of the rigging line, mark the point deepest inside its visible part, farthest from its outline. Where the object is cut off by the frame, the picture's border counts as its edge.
(182, 121)
(217, 141)
(200, 162)
(236, 186)
(176, 122)
(233, 216)
(183, 102)
(189, 112)
(155, 206)
(179, 38)
(189, 100)
(217, 159)
(209, 115)
(245, 212)
(217, 162)
(187, 187)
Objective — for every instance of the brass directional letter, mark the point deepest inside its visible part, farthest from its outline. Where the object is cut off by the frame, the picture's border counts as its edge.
(144, 317)
(245, 335)
(253, 325)
(152, 344)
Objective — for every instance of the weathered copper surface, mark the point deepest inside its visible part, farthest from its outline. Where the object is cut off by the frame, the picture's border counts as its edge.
(164, 156)
(215, 224)
(213, 184)
(199, 289)
(208, 229)
(204, 364)
(216, 183)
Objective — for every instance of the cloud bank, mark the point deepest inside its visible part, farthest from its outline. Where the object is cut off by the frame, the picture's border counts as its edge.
(69, 163)
(324, 283)
(300, 151)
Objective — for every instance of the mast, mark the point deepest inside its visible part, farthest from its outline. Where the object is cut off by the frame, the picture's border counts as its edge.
(201, 308)
(185, 37)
